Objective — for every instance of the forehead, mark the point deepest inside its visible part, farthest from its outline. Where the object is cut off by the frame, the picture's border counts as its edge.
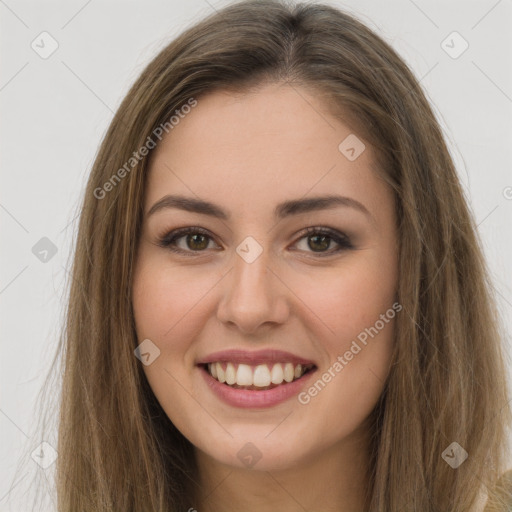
(260, 147)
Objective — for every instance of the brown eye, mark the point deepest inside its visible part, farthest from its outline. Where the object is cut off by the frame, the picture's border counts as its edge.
(197, 241)
(320, 239)
(319, 242)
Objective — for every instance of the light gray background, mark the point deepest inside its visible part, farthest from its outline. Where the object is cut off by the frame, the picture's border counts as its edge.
(55, 111)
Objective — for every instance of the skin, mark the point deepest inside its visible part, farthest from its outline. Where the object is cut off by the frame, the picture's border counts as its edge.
(247, 153)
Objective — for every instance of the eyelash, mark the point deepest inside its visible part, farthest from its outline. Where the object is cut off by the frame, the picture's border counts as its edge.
(168, 241)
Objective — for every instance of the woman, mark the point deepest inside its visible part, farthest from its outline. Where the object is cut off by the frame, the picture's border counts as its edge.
(279, 298)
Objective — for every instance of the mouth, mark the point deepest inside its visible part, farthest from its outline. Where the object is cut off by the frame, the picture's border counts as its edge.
(255, 379)
(260, 377)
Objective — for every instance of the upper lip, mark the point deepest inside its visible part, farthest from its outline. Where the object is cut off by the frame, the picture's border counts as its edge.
(254, 357)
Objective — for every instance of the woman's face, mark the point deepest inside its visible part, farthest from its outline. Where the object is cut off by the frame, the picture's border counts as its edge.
(257, 294)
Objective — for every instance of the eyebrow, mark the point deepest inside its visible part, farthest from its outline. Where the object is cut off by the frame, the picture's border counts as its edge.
(282, 210)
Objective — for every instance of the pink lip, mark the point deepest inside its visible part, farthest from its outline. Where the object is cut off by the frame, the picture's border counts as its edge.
(254, 357)
(249, 399)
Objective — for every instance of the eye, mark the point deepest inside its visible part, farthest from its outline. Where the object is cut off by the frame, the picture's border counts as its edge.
(196, 239)
(318, 239)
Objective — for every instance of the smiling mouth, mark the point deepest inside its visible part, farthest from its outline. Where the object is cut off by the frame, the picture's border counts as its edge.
(256, 377)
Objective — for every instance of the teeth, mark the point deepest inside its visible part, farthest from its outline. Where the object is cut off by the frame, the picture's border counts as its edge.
(230, 374)
(288, 372)
(260, 376)
(277, 374)
(244, 375)
(221, 376)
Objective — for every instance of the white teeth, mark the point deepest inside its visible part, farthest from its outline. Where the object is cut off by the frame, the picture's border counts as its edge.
(221, 376)
(244, 375)
(288, 372)
(230, 374)
(260, 376)
(277, 374)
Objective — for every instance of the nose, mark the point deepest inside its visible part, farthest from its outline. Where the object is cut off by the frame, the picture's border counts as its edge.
(253, 296)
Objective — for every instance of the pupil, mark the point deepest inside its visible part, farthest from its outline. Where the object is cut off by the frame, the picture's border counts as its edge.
(322, 240)
(193, 240)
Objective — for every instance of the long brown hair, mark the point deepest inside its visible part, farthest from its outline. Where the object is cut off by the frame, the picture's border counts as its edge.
(117, 449)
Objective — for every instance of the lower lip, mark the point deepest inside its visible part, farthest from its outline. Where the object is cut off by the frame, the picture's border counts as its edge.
(249, 399)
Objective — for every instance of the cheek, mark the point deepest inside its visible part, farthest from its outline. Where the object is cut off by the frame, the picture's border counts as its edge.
(161, 301)
(166, 304)
(165, 299)
(352, 298)
(355, 302)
